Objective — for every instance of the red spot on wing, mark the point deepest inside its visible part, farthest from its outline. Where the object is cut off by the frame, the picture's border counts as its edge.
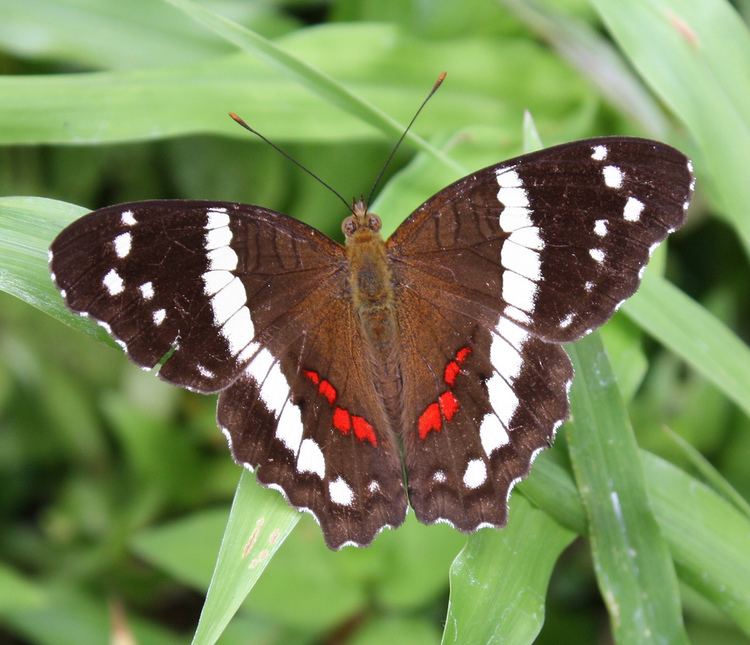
(313, 376)
(429, 420)
(341, 420)
(452, 370)
(448, 404)
(363, 430)
(328, 391)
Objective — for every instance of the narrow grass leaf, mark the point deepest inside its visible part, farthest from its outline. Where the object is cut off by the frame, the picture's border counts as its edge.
(632, 561)
(596, 59)
(694, 54)
(691, 332)
(499, 580)
(314, 79)
(709, 473)
(258, 524)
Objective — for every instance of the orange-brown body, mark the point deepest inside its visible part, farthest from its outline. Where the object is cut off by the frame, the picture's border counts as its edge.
(373, 299)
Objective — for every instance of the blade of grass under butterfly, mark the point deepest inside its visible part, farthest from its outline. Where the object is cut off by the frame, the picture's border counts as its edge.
(498, 582)
(632, 561)
(694, 334)
(259, 522)
(709, 473)
(316, 80)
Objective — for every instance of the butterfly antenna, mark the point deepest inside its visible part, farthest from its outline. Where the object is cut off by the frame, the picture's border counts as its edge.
(434, 89)
(285, 154)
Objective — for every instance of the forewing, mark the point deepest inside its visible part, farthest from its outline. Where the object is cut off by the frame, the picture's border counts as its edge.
(197, 280)
(554, 240)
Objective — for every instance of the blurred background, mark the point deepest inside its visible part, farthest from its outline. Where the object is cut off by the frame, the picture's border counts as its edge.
(115, 487)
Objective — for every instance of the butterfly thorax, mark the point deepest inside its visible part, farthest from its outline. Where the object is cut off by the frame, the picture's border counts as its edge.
(371, 285)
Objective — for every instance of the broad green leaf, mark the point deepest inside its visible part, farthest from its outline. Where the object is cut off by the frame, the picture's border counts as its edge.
(499, 580)
(694, 54)
(258, 524)
(631, 559)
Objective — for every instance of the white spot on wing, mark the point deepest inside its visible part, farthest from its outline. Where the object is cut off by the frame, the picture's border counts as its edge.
(205, 372)
(373, 486)
(597, 254)
(505, 358)
(228, 301)
(159, 315)
(528, 237)
(612, 176)
(340, 492)
(599, 153)
(633, 209)
(122, 244)
(127, 218)
(519, 291)
(600, 227)
(492, 434)
(222, 259)
(502, 398)
(217, 217)
(588, 286)
(274, 389)
(218, 237)
(113, 282)
(521, 260)
(310, 459)
(439, 477)
(516, 314)
(565, 322)
(289, 428)
(147, 290)
(475, 474)
(238, 331)
(215, 281)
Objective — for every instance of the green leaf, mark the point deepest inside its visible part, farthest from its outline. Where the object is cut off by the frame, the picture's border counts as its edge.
(694, 334)
(140, 104)
(632, 561)
(596, 58)
(120, 35)
(694, 54)
(709, 473)
(499, 581)
(258, 524)
(309, 76)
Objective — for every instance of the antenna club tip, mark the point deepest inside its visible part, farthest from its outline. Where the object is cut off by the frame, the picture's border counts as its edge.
(236, 118)
(440, 79)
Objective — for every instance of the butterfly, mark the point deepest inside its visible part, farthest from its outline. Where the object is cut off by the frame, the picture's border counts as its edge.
(425, 369)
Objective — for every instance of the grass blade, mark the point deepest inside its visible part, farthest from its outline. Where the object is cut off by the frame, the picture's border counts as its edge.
(695, 335)
(258, 524)
(632, 561)
(314, 79)
(499, 580)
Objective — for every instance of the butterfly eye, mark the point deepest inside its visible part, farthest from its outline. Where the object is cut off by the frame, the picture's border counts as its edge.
(348, 226)
(374, 222)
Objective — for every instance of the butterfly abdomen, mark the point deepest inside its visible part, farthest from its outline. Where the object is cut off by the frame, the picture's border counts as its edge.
(371, 285)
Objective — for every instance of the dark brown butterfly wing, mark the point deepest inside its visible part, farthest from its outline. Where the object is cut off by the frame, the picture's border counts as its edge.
(504, 265)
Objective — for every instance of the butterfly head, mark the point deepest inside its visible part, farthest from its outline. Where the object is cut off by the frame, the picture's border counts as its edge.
(361, 225)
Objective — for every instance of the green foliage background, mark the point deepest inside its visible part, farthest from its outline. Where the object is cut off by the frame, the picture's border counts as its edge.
(115, 488)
